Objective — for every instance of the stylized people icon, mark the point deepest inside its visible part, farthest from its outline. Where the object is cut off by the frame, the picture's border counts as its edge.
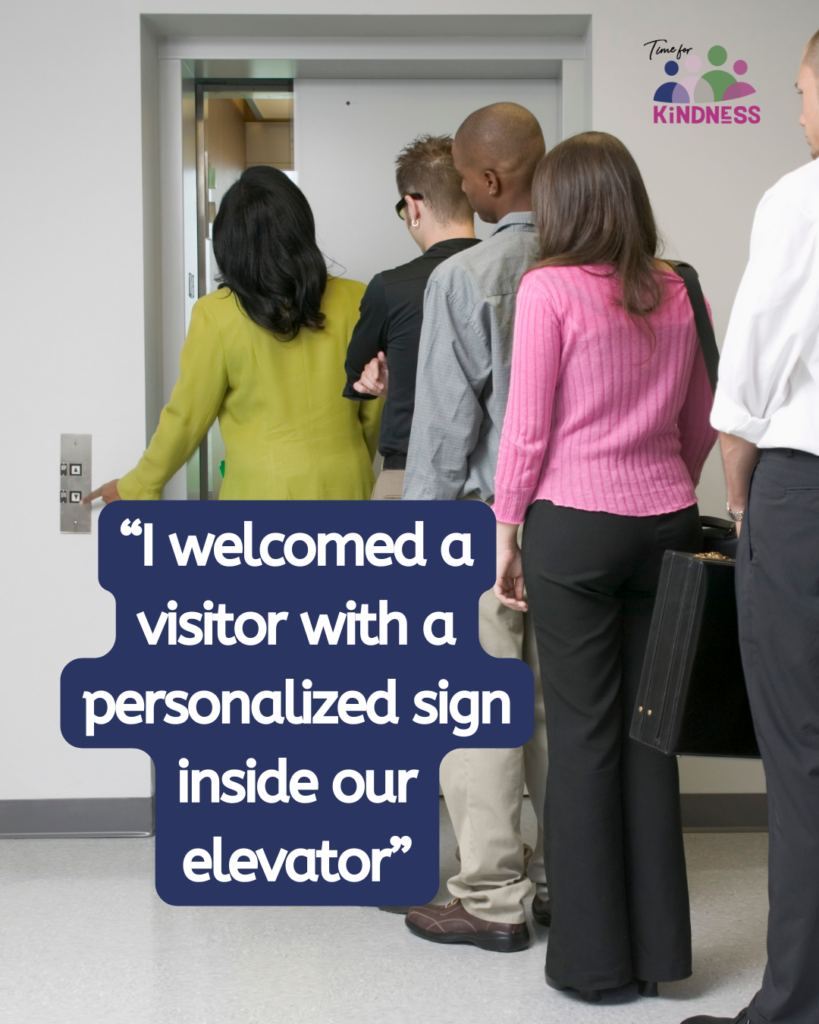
(693, 63)
(713, 86)
(672, 92)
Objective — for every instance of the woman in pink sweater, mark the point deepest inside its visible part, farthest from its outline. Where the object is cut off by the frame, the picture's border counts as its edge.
(605, 435)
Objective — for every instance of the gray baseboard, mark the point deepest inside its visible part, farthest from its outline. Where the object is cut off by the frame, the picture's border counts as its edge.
(724, 812)
(77, 819)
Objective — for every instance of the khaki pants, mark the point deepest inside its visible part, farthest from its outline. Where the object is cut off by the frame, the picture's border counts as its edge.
(484, 791)
(389, 485)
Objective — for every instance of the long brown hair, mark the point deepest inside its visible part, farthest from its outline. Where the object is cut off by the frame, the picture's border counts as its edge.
(591, 207)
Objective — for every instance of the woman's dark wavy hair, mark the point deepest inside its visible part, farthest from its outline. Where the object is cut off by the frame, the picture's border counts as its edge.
(264, 240)
(591, 207)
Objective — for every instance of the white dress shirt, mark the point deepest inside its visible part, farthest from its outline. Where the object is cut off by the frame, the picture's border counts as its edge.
(769, 371)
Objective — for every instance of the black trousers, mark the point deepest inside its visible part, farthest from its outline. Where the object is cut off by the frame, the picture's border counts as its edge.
(778, 599)
(615, 857)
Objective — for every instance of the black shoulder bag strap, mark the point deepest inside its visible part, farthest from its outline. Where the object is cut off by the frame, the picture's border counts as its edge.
(722, 536)
(705, 332)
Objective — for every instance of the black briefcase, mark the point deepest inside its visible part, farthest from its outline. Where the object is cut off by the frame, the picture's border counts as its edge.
(719, 535)
(693, 698)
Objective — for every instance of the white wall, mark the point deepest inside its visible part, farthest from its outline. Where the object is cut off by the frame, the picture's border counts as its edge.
(73, 360)
(354, 203)
(73, 324)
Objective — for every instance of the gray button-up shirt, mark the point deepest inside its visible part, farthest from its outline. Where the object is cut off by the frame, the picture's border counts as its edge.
(464, 362)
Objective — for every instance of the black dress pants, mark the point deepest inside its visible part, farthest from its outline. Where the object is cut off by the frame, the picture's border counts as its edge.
(613, 833)
(778, 599)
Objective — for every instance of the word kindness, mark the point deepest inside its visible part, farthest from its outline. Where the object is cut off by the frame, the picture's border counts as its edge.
(680, 113)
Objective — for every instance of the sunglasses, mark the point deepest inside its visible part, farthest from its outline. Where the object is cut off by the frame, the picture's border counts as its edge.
(401, 205)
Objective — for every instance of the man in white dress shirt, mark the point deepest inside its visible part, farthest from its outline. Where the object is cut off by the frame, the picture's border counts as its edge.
(767, 408)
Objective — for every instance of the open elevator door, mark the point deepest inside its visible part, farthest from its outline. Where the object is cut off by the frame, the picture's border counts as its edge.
(340, 148)
(361, 86)
(344, 142)
(240, 123)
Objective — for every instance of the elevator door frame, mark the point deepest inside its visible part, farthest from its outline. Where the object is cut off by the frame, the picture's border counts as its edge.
(202, 86)
(185, 62)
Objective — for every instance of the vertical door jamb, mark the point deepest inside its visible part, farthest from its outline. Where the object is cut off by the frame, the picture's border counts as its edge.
(202, 236)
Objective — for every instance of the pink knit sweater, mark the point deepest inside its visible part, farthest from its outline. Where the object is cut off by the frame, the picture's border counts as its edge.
(601, 415)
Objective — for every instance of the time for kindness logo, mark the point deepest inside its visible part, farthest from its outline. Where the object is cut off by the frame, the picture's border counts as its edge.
(695, 91)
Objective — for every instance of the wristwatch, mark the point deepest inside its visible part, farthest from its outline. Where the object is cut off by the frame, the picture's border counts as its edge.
(734, 516)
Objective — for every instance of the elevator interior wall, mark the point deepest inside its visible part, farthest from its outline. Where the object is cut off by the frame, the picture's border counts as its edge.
(348, 134)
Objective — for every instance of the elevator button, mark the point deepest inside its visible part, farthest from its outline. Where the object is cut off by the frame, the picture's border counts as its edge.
(75, 482)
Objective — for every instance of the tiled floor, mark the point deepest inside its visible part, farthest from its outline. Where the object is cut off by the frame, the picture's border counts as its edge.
(85, 940)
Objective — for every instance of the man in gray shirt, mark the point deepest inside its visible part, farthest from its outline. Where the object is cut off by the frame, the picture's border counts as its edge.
(462, 386)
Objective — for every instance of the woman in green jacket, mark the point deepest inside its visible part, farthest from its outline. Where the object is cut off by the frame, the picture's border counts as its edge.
(265, 353)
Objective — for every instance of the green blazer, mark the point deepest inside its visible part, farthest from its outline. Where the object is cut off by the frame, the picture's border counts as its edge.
(287, 430)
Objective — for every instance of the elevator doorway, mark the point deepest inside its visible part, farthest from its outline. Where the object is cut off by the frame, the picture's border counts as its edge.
(340, 148)
(240, 123)
(361, 87)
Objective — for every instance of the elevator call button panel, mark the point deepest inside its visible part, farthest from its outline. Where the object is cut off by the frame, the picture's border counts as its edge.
(75, 483)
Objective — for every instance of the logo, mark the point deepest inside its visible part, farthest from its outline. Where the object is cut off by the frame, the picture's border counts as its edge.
(692, 95)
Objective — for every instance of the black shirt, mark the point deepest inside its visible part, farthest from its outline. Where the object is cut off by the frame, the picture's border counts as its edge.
(392, 311)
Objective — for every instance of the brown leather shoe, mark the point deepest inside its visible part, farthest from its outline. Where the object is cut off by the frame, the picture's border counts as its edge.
(453, 923)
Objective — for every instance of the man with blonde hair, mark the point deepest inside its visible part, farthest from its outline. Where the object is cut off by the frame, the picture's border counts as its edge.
(766, 409)
(383, 351)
